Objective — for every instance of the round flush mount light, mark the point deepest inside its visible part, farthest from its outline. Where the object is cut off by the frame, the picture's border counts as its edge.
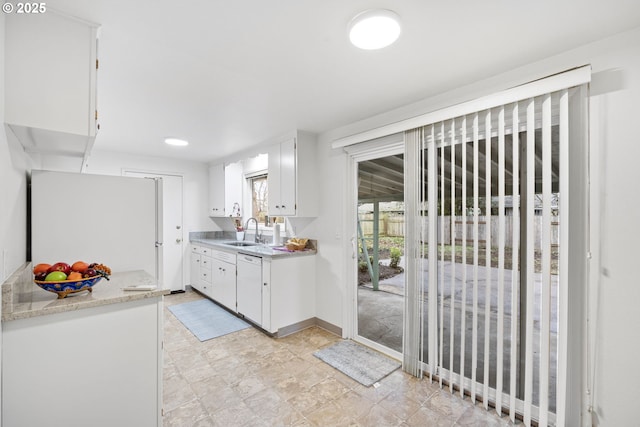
(374, 29)
(176, 141)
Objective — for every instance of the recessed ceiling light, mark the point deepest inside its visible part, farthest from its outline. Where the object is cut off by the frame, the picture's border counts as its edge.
(374, 29)
(176, 141)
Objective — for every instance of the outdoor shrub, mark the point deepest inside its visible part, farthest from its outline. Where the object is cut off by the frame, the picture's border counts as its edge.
(395, 257)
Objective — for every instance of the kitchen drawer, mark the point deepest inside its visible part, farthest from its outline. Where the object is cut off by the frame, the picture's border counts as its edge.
(224, 256)
(205, 275)
(202, 250)
(206, 262)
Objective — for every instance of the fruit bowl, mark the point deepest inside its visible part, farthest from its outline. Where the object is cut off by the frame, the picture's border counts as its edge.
(66, 287)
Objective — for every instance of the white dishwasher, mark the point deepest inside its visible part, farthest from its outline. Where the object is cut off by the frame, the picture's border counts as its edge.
(249, 287)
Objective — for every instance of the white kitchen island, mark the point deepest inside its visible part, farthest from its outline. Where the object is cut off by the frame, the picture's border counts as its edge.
(88, 359)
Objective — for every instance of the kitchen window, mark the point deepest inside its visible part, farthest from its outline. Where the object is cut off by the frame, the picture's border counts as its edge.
(259, 191)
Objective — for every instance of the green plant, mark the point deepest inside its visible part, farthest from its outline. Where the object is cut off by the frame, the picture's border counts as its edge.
(395, 257)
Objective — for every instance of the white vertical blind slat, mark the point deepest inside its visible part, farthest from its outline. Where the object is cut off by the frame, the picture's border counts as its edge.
(487, 310)
(474, 339)
(563, 279)
(530, 256)
(433, 250)
(452, 301)
(545, 320)
(501, 241)
(410, 353)
(463, 306)
(515, 253)
(441, 281)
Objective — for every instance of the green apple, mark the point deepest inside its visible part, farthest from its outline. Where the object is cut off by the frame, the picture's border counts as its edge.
(55, 276)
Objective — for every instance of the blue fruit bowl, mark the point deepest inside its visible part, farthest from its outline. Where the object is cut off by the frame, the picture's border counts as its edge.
(66, 287)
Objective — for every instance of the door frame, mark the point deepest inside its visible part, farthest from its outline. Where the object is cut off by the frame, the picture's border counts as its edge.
(184, 247)
(381, 147)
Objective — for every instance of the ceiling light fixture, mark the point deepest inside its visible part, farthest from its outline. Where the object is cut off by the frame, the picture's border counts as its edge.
(374, 29)
(176, 141)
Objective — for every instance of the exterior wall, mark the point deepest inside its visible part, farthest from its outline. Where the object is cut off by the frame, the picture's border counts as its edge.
(615, 148)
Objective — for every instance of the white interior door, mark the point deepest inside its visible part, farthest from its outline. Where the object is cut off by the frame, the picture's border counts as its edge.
(172, 229)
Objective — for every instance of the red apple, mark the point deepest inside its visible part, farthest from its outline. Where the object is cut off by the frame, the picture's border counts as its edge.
(60, 266)
(89, 272)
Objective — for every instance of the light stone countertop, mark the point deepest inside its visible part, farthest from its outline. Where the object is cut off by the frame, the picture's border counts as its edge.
(22, 298)
(261, 250)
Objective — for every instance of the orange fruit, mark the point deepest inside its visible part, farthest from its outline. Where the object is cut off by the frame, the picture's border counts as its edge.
(79, 266)
(41, 268)
(74, 275)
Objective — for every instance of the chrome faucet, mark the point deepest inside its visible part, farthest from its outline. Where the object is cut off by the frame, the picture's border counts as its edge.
(246, 227)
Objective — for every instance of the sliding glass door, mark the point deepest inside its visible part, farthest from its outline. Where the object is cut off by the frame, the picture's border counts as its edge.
(494, 199)
(491, 233)
(380, 247)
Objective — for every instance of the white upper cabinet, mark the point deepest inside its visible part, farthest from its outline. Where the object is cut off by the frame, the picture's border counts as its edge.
(50, 75)
(233, 180)
(292, 177)
(225, 189)
(216, 190)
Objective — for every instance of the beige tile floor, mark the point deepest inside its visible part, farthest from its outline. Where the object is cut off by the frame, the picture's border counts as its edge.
(249, 379)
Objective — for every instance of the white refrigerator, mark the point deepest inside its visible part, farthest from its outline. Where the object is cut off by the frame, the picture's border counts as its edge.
(113, 220)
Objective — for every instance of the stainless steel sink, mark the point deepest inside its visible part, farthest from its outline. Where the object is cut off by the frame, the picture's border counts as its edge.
(240, 243)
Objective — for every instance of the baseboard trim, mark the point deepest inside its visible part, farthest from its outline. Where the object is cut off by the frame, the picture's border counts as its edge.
(314, 321)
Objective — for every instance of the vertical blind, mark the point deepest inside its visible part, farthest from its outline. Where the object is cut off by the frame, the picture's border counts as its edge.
(486, 288)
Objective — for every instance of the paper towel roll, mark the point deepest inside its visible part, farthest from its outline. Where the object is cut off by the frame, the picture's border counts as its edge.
(276, 235)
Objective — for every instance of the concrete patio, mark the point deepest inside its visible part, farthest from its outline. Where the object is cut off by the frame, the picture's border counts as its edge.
(380, 319)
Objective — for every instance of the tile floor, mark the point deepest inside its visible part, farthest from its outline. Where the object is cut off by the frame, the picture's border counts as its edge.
(249, 379)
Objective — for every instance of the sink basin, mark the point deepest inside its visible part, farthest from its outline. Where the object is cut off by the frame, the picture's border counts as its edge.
(240, 243)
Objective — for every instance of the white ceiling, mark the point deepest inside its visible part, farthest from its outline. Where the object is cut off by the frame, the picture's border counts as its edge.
(229, 74)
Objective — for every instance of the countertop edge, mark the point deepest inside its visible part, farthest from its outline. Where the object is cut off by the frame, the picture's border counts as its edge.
(274, 254)
(81, 305)
(20, 286)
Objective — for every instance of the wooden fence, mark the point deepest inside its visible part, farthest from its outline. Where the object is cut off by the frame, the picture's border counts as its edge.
(393, 226)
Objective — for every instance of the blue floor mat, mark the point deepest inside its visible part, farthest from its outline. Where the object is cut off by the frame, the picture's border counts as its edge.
(207, 320)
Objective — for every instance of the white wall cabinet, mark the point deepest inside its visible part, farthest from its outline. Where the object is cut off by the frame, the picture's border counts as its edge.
(51, 72)
(225, 189)
(292, 177)
(216, 190)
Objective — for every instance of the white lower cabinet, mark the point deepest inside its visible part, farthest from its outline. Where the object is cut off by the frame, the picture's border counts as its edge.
(99, 366)
(223, 278)
(288, 293)
(277, 294)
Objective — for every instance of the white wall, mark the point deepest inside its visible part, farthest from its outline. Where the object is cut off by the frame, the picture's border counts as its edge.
(14, 166)
(615, 147)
